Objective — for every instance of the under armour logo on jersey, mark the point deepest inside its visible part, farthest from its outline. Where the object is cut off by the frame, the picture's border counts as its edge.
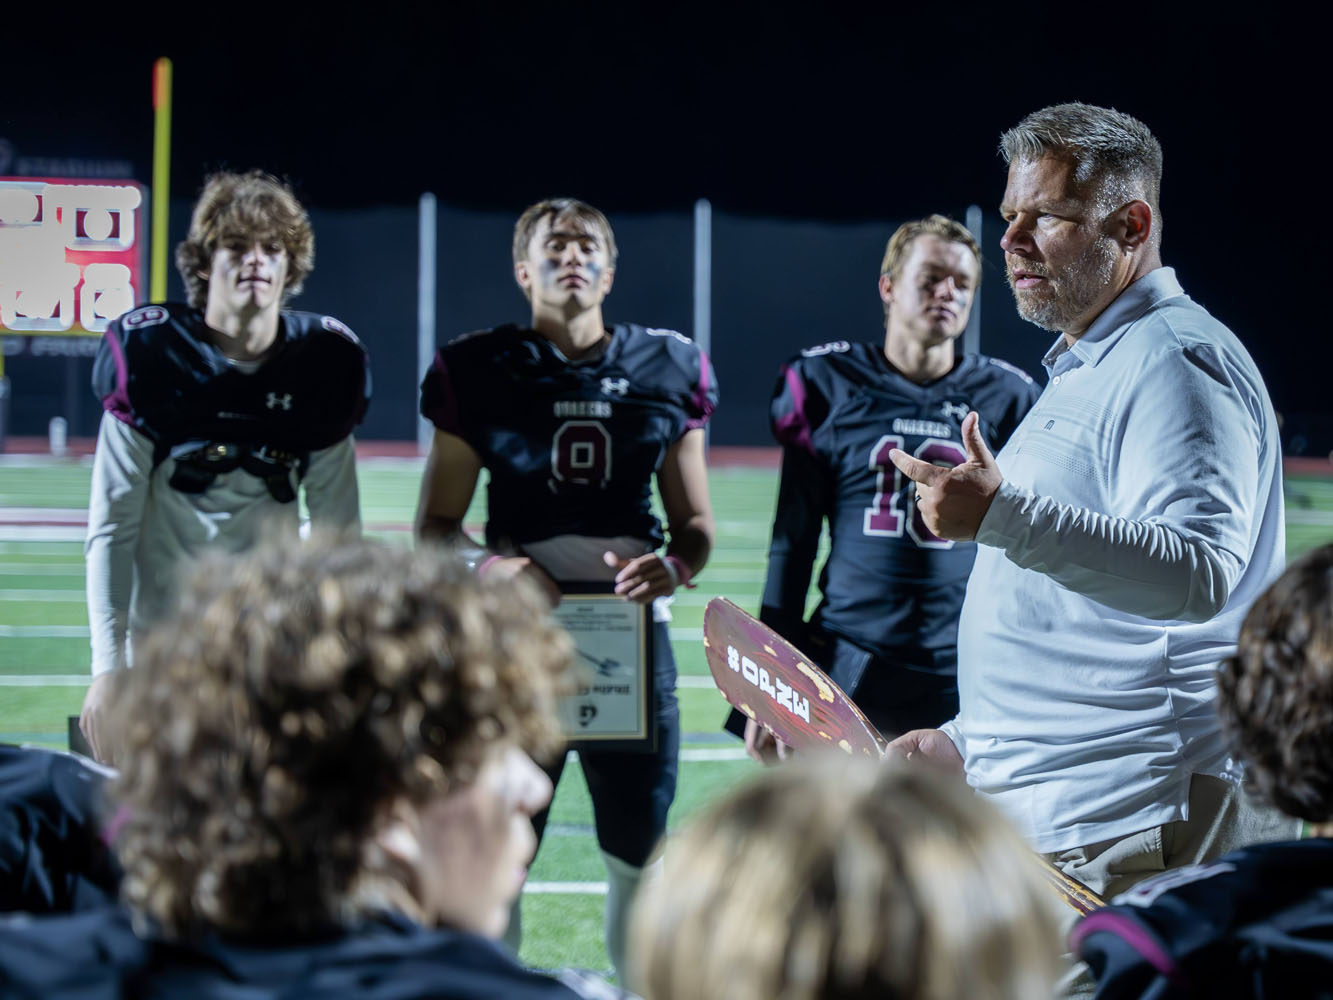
(956, 410)
(274, 401)
(615, 386)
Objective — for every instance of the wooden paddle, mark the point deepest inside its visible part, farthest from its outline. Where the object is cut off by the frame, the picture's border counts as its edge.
(774, 683)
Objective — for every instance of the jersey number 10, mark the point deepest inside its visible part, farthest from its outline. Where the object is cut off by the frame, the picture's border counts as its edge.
(886, 516)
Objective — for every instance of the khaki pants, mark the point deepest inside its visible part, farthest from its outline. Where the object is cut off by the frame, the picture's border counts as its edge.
(1223, 818)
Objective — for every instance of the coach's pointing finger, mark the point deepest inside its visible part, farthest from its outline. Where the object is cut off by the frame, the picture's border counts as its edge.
(952, 502)
(977, 451)
(924, 474)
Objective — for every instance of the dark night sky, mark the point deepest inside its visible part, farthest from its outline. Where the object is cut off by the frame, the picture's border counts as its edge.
(806, 111)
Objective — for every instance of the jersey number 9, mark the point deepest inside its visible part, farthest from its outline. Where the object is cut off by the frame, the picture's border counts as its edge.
(581, 453)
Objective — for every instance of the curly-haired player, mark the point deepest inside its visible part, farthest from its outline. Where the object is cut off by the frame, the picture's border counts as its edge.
(327, 787)
(1260, 916)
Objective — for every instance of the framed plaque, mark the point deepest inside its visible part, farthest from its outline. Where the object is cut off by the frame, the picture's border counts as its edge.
(611, 706)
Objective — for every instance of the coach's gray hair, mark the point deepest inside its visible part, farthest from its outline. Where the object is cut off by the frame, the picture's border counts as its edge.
(1114, 151)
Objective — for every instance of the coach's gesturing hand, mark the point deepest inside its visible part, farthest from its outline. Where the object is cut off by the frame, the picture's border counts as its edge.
(930, 745)
(953, 501)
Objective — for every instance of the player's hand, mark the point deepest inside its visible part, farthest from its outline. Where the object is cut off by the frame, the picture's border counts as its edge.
(642, 578)
(512, 566)
(930, 745)
(92, 717)
(762, 745)
(953, 501)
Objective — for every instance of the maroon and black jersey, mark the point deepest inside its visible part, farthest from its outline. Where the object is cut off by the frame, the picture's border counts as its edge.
(158, 371)
(53, 855)
(571, 446)
(1255, 923)
(889, 586)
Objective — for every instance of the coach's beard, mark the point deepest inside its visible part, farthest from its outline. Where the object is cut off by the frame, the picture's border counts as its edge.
(1066, 296)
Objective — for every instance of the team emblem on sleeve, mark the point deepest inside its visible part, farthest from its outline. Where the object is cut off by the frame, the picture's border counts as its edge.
(147, 316)
(652, 332)
(833, 347)
(338, 327)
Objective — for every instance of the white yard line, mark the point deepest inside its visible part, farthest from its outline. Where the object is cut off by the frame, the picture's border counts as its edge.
(44, 515)
(711, 575)
(49, 596)
(44, 680)
(707, 755)
(44, 631)
(1318, 518)
(41, 533)
(40, 569)
(565, 888)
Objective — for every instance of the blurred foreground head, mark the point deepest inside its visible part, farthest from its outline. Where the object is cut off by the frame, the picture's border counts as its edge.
(835, 877)
(324, 729)
(1275, 695)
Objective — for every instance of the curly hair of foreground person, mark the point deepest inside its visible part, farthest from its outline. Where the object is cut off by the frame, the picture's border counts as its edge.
(845, 879)
(1275, 694)
(299, 693)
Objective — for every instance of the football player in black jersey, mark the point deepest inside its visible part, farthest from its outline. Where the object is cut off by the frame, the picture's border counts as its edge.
(216, 414)
(574, 420)
(887, 622)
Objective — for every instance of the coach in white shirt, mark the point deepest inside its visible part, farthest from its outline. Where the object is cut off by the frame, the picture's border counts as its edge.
(1124, 530)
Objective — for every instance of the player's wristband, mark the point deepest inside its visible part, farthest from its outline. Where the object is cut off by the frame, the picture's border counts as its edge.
(679, 571)
(486, 564)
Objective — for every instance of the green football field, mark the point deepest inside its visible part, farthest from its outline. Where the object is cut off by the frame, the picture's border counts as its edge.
(44, 651)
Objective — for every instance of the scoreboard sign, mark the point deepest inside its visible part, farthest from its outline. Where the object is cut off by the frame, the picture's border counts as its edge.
(71, 254)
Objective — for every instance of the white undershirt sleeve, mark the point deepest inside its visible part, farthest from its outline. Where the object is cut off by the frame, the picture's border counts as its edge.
(122, 470)
(331, 489)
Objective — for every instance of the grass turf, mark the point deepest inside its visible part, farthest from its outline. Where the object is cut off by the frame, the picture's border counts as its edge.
(43, 626)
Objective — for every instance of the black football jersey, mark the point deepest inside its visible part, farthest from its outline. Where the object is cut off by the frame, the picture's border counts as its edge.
(1254, 923)
(889, 585)
(571, 447)
(53, 858)
(98, 954)
(157, 371)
